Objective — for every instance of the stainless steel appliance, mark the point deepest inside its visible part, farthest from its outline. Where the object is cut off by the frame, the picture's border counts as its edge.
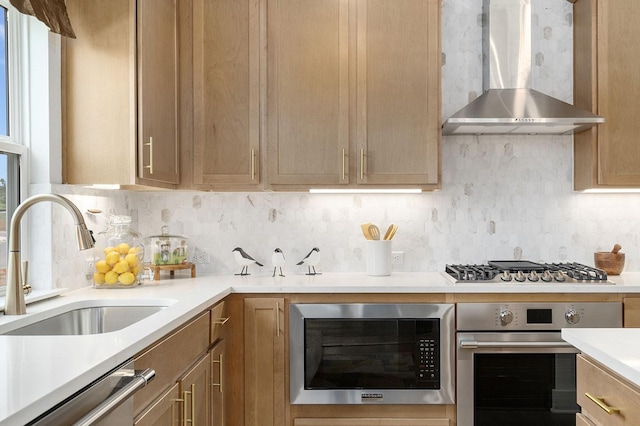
(106, 402)
(526, 272)
(372, 353)
(514, 368)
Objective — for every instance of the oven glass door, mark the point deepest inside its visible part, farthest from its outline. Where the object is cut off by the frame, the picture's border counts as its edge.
(385, 353)
(525, 389)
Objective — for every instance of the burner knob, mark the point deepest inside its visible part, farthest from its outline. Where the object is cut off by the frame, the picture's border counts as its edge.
(533, 276)
(506, 317)
(546, 277)
(505, 276)
(572, 316)
(520, 277)
(559, 276)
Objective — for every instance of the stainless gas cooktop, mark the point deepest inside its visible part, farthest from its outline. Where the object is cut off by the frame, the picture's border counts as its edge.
(525, 272)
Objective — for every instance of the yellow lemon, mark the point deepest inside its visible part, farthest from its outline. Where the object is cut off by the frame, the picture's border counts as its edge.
(98, 278)
(122, 248)
(135, 250)
(121, 267)
(112, 258)
(127, 278)
(132, 259)
(111, 277)
(108, 250)
(135, 270)
(102, 266)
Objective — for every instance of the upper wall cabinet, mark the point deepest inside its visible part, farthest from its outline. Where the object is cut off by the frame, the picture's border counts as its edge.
(226, 94)
(120, 122)
(353, 94)
(607, 82)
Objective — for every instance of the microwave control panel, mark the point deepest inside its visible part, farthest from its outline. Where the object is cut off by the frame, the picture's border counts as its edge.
(428, 362)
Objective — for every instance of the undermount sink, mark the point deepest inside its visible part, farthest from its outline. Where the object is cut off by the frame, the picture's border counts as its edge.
(86, 320)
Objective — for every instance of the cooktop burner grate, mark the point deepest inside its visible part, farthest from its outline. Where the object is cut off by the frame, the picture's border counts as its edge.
(526, 272)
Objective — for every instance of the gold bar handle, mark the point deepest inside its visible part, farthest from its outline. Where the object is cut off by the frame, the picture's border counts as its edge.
(599, 401)
(253, 165)
(185, 420)
(184, 410)
(150, 145)
(221, 321)
(361, 163)
(278, 319)
(219, 362)
(343, 164)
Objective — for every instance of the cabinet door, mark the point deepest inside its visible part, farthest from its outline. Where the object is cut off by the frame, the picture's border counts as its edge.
(226, 94)
(308, 92)
(166, 411)
(606, 82)
(217, 384)
(218, 320)
(264, 320)
(158, 90)
(195, 387)
(398, 92)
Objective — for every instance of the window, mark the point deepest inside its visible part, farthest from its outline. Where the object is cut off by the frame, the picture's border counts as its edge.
(11, 148)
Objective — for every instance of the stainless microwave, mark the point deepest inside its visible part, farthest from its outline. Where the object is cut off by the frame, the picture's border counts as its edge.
(372, 353)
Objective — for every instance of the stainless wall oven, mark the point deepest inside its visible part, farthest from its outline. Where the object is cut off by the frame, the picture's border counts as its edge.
(372, 353)
(513, 366)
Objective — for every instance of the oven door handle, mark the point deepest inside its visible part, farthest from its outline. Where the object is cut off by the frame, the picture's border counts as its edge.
(473, 344)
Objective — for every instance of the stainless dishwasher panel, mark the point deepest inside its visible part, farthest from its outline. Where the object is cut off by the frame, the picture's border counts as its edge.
(106, 402)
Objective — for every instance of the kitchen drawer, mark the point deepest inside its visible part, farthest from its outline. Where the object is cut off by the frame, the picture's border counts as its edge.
(581, 420)
(218, 320)
(171, 357)
(612, 391)
(370, 422)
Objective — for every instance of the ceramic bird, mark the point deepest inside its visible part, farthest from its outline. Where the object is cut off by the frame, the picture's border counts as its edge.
(311, 260)
(277, 258)
(244, 260)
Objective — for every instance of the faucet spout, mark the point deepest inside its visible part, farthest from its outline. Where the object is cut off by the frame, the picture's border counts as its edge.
(14, 298)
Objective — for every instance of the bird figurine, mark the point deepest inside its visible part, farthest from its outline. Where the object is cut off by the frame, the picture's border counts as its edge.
(277, 258)
(244, 260)
(311, 260)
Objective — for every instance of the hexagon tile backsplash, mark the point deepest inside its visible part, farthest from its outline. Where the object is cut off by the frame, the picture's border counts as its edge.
(502, 197)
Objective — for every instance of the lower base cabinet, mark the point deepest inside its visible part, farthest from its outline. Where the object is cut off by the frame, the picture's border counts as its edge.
(195, 387)
(166, 411)
(217, 357)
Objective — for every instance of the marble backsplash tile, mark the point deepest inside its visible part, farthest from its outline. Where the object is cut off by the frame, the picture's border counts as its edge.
(502, 197)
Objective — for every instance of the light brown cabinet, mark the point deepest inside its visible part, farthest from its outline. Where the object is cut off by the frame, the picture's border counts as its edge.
(226, 94)
(371, 421)
(606, 82)
(605, 398)
(265, 399)
(218, 384)
(120, 123)
(362, 106)
(165, 411)
(195, 388)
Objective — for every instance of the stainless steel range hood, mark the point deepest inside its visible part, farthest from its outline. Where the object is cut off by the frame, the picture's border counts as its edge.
(509, 105)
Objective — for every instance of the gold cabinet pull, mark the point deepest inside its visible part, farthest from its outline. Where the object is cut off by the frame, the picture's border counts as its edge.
(221, 321)
(192, 393)
(150, 145)
(343, 164)
(278, 319)
(253, 165)
(219, 362)
(183, 409)
(599, 401)
(361, 163)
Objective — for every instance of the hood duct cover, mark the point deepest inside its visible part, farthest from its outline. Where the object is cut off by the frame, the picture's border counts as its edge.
(508, 105)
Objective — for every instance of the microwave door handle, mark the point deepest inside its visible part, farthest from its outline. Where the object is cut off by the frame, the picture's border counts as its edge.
(139, 381)
(472, 344)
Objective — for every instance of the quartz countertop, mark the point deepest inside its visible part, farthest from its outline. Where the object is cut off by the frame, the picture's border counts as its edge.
(616, 348)
(40, 371)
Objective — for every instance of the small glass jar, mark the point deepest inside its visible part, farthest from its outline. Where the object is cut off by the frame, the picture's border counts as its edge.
(167, 249)
(118, 255)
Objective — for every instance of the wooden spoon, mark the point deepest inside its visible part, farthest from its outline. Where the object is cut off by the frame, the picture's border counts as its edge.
(365, 230)
(616, 249)
(374, 231)
(390, 232)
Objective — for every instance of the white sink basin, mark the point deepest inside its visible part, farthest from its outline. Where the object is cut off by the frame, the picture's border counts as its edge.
(101, 316)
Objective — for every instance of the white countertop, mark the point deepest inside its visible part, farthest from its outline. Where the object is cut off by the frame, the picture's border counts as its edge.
(616, 348)
(40, 371)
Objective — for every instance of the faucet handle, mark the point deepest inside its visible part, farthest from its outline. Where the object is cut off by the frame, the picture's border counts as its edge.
(26, 287)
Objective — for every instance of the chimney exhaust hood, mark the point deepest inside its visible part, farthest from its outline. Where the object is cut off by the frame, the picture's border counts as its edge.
(509, 105)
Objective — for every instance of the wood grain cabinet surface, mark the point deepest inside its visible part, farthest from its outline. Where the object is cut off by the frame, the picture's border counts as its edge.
(353, 94)
(605, 399)
(120, 93)
(606, 81)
